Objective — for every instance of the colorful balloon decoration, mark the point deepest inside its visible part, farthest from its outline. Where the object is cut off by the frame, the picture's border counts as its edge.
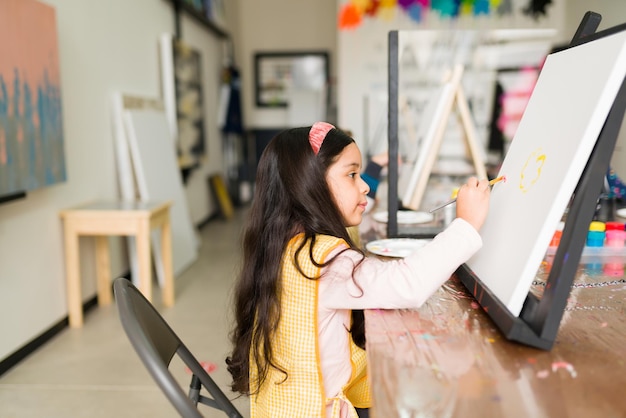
(353, 12)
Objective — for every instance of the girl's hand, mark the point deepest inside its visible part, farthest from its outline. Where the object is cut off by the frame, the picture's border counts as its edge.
(472, 202)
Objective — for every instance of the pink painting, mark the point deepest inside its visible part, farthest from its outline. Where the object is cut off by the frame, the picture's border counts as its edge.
(31, 127)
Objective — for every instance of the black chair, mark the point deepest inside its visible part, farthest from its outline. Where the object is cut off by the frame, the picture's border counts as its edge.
(156, 344)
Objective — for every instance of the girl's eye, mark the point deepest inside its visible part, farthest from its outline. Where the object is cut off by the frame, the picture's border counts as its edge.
(352, 175)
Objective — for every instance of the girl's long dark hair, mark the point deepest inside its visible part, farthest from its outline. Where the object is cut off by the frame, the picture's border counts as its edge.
(291, 197)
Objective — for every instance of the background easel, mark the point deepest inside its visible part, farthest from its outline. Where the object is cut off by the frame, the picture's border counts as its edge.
(451, 94)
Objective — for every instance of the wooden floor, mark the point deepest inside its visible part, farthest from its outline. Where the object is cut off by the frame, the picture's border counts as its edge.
(94, 372)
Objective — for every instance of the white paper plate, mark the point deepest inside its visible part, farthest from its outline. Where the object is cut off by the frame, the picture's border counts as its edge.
(405, 217)
(396, 247)
(621, 213)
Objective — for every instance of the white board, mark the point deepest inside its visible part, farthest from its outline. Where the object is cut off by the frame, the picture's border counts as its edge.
(555, 137)
(125, 172)
(158, 177)
(126, 178)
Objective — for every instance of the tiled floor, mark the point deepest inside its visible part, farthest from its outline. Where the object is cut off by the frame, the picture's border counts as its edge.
(94, 371)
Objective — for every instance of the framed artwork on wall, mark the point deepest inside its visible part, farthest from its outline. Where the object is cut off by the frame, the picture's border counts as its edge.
(276, 74)
(32, 152)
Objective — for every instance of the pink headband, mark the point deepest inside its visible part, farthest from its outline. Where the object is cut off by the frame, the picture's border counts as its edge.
(317, 134)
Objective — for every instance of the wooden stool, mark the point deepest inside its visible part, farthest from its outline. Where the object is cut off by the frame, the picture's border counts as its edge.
(103, 219)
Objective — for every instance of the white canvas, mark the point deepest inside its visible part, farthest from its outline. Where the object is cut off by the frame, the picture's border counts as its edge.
(548, 154)
(126, 181)
(158, 178)
(125, 173)
(168, 83)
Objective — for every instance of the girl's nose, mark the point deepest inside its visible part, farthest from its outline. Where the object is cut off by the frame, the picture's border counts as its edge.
(366, 187)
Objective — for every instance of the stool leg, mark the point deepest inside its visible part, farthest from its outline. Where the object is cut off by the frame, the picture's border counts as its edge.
(143, 258)
(72, 267)
(166, 255)
(103, 270)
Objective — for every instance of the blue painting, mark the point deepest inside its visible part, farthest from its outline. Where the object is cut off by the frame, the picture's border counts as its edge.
(31, 122)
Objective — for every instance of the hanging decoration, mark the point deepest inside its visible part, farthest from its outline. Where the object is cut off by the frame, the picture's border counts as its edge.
(353, 12)
(350, 16)
(537, 8)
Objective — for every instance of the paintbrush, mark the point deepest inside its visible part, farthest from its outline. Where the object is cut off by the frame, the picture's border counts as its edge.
(449, 202)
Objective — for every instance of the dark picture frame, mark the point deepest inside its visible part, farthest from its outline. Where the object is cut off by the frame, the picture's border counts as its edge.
(276, 72)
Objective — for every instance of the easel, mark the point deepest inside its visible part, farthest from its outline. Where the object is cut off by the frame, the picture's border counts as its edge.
(452, 93)
(539, 319)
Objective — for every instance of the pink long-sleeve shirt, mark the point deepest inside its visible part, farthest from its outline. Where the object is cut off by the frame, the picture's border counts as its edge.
(385, 284)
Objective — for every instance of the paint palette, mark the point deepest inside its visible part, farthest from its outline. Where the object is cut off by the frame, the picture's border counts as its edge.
(396, 247)
(405, 217)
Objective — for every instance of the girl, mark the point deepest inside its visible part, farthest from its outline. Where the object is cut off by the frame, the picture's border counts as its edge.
(297, 348)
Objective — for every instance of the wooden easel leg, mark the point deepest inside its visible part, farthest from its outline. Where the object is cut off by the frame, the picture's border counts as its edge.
(470, 133)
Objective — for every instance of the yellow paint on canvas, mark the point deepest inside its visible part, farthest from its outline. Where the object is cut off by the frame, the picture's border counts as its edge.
(531, 171)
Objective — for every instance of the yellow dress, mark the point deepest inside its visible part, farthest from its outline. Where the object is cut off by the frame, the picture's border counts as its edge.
(296, 348)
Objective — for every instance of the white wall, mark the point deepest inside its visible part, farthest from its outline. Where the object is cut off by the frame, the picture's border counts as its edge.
(613, 13)
(103, 46)
(281, 25)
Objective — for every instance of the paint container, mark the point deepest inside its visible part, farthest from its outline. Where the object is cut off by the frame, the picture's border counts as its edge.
(615, 267)
(556, 239)
(597, 226)
(449, 212)
(595, 238)
(615, 238)
(596, 234)
(614, 226)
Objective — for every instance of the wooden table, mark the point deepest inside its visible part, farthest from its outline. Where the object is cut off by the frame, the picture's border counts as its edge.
(103, 219)
(448, 359)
